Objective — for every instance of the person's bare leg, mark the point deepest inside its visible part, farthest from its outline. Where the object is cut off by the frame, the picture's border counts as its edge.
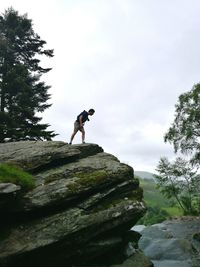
(83, 135)
(72, 137)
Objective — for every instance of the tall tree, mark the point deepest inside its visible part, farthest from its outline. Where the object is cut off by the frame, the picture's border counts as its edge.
(184, 133)
(22, 94)
(180, 179)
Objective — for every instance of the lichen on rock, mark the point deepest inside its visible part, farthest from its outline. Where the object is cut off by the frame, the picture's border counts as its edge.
(84, 199)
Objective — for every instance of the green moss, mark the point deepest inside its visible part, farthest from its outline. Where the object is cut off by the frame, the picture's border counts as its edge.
(87, 179)
(14, 174)
(91, 178)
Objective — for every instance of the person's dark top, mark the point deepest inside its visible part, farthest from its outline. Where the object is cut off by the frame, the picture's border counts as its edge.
(84, 116)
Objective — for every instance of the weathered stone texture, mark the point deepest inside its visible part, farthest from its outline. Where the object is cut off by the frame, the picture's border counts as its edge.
(82, 206)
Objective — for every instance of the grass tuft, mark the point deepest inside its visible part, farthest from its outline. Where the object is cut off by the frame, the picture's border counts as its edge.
(13, 174)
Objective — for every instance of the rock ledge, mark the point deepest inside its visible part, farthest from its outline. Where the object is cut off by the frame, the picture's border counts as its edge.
(83, 205)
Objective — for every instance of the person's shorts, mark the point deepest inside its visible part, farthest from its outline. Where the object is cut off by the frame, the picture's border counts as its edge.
(77, 126)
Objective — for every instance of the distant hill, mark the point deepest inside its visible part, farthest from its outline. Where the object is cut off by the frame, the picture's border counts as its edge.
(144, 175)
(159, 208)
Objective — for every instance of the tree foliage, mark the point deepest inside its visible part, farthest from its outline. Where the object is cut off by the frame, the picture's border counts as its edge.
(184, 133)
(22, 93)
(180, 179)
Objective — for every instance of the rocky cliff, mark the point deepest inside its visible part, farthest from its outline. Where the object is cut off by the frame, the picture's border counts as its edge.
(82, 206)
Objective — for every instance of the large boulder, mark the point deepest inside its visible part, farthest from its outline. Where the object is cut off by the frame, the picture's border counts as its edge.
(83, 204)
(173, 243)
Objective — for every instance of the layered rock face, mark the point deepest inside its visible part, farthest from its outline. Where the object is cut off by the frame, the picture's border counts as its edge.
(82, 207)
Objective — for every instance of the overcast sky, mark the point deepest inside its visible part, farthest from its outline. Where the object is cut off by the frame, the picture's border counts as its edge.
(127, 59)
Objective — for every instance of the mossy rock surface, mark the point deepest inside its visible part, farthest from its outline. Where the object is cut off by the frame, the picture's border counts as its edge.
(81, 195)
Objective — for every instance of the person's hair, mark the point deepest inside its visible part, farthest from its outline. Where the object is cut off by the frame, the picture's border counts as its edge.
(92, 110)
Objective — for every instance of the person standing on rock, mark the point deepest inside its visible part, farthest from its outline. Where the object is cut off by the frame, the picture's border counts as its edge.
(79, 124)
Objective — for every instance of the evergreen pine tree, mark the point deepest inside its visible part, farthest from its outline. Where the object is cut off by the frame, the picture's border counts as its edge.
(22, 94)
